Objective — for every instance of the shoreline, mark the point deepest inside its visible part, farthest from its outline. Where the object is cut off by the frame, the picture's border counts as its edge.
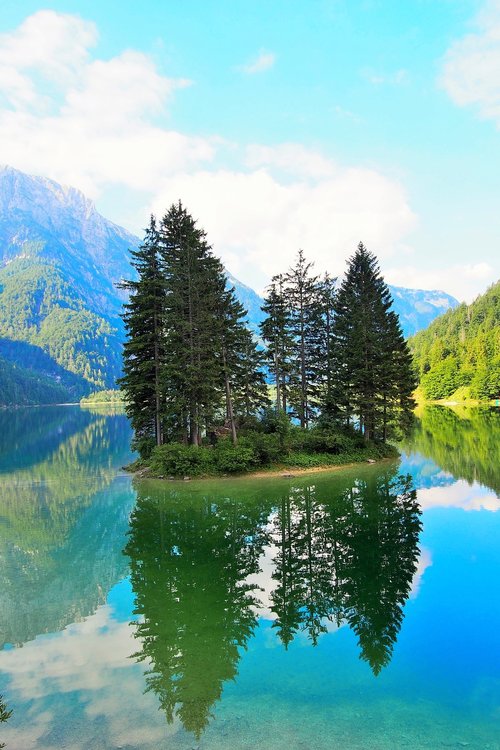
(271, 473)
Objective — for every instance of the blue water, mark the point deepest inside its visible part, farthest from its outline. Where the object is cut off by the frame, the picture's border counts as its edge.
(74, 628)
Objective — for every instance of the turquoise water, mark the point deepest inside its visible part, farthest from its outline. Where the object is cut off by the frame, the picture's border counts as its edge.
(358, 609)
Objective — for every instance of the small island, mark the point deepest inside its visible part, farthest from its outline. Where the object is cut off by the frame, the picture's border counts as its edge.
(326, 380)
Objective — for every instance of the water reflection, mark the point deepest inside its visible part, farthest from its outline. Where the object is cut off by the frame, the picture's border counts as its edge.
(59, 529)
(463, 441)
(343, 551)
(189, 558)
(5, 714)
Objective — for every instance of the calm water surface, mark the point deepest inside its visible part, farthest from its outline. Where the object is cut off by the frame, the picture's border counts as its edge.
(352, 610)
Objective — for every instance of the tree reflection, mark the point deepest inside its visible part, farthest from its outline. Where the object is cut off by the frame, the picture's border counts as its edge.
(5, 714)
(189, 557)
(344, 551)
(348, 556)
(382, 558)
(464, 441)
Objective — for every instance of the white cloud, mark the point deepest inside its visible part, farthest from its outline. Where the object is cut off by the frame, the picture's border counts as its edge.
(264, 61)
(462, 495)
(100, 124)
(424, 562)
(471, 67)
(263, 221)
(87, 122)
(92, 658)
(463, 281)
(290, 159)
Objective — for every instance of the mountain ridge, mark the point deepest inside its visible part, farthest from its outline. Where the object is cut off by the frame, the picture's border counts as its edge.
(60, 264)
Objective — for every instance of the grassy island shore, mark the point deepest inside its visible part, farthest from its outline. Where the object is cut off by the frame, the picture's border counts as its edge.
(260, 454)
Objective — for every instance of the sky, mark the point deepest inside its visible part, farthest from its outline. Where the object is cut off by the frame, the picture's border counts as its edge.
(280, 124)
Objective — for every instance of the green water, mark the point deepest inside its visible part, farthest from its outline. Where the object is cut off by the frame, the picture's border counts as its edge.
(356, 609)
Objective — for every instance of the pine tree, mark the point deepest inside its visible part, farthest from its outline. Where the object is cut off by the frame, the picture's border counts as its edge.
(302, 294)
(250, 388)
(210, 358)
(144, 350)
(374, 377)
(326, 373)
(275, 330)
(193, 371)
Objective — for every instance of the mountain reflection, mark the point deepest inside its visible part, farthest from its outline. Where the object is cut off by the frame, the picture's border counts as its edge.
(464, 441)
(343, 551)
(60, 519)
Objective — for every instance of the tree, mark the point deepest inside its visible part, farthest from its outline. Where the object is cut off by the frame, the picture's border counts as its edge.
(194, 279)
(326, 374)
(209, 352)
(250, 393)
(4, 715)
(275, 330)
(305, 320)
(144, 348)
(372, 362)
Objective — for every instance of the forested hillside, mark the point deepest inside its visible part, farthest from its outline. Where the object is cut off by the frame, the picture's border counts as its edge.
(461, 351)
(60, 264)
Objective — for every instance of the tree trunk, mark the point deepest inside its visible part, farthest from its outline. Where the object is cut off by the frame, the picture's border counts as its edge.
(229, 400)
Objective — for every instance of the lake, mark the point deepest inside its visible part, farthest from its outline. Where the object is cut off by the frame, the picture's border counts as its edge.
(354, 609)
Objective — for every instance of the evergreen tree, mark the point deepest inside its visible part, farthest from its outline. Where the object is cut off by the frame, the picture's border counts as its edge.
(210, 355)
(144, 348)
(326, 372)
(239, 362)
(193, 371)
(250, 388)
(374, 378)
(302, 294)
(275, 330)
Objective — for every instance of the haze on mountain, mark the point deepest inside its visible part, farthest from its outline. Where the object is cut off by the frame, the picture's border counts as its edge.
(61, 333)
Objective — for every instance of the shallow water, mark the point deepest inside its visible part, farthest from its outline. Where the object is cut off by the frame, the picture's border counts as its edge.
(357, 609)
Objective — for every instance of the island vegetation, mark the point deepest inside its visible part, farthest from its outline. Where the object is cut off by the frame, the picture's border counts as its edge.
(196, 380)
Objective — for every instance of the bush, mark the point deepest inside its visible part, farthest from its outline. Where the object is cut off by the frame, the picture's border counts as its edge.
(144, 446)
(178, 460)
(230, 459)
(266, 447)
(324, 441)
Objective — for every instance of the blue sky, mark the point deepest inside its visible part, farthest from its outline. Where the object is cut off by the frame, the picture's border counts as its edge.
(279, 123)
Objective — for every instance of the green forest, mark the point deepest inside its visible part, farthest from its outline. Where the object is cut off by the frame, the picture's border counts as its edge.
(458, 355)
(196, 381)
(39, 307)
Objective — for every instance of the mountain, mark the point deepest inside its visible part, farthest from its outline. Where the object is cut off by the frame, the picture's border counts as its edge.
(417, 308)
(458, 355)
(60, 263)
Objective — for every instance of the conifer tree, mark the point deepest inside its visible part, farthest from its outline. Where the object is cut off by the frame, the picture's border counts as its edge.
(326, 372)
(194, 279)
(250, 387)
(374, 378)
(302, 294)
(275, 330)
(144, 350)
(209, 353)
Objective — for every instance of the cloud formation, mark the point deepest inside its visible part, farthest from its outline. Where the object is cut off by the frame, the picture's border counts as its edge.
(460, 280)
(101, 124)
(264, 61)
(258, 222)
(471, 67)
